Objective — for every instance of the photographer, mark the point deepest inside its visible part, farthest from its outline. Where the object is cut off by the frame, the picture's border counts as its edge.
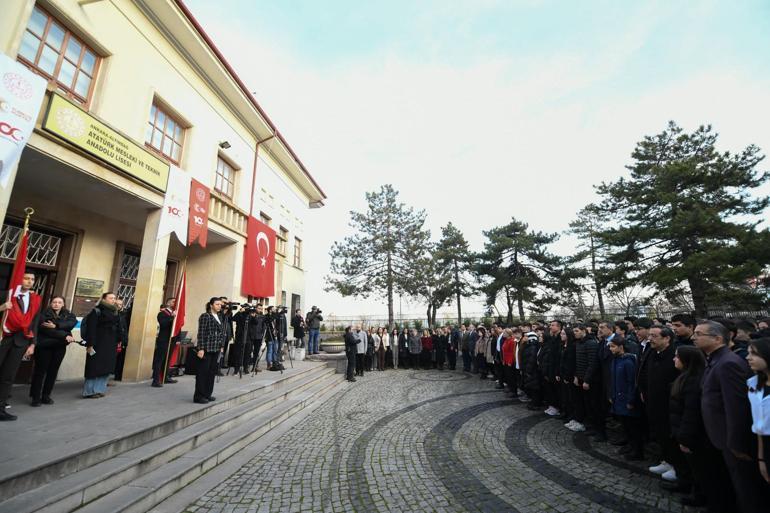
(248, 333)
(298, 323)
(351, 343)
(227, 317)
(273, 344)
(313, 322)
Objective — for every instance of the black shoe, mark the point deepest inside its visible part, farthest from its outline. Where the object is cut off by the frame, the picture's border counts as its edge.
(694, 501)
(200, 400)
(533, 407)
(35, 403)
(499, 386)
(47, 400)
(219, 373)
(675, 486)
(169, 380)
(352, 380)
(155, 384)
(600, 438)
(211, 398)
(4, 415)
(634, 456)
(626, 449)
(619, 441)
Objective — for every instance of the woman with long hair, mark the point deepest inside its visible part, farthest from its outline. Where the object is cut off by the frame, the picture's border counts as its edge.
(685, 415)
(212, 336)
(371, 347)
(481, 347)
(101, 336)
(384, 344)
(759, 397)
(53, 337)
(427, 349)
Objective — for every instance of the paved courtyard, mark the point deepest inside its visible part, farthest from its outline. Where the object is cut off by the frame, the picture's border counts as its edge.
(413, 441)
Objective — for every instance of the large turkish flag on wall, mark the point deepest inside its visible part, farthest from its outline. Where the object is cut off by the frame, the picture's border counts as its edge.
(258, 278)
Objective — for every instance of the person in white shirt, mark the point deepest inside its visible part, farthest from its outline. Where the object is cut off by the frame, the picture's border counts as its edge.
(759, 397)
(384, 345)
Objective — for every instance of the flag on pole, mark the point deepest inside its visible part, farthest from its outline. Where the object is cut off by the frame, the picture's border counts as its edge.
(178, 323)
(258, 278)
(17, 276)
(176, 206)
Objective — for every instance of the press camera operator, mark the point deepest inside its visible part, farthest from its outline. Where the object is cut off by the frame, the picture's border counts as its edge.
(249, 329)
(271, 337)
(298, 324)
(313, 322)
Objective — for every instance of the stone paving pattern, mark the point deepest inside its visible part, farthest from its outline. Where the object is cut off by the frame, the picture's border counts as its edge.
(434, 441)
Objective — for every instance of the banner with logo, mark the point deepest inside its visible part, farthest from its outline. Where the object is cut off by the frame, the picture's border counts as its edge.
(258, 277)
(199, 213)
(21, 95)
(176, 205)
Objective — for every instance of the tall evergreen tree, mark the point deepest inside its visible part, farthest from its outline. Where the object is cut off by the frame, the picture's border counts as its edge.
(516, 261)
(587, 226)
(378, 258)
(686, 219)
(431, 283)
(453, 255)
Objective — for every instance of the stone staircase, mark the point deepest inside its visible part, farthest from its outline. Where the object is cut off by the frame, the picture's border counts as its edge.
(133, 473)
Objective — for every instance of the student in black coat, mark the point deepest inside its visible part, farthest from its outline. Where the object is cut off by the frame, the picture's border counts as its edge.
(53, 336)
(351, 343)
(531, 378)
(566, 374)
(440, 345)
(587, 380)
(550, 367)
(727, 416)
(163, 344)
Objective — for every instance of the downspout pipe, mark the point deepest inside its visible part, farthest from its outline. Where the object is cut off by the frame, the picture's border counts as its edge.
(254, 172)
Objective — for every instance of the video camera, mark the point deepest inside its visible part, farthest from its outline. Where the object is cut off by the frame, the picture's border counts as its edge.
(246, 307)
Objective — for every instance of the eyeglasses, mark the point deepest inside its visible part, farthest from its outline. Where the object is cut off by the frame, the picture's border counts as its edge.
(702, 334)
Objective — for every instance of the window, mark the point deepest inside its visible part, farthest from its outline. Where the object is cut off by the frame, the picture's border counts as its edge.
(264, 218)
(224, 181)
(59, 55)
(164, 134)
(297, 252)
(283, 235)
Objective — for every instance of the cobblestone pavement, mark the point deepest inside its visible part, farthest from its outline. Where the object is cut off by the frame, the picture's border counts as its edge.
(434, 441)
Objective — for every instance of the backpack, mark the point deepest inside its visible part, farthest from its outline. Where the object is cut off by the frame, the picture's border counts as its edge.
(85, 326)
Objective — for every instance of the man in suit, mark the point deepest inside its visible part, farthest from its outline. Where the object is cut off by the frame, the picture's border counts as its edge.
(163, 344)
(727, 416)
(20, 319)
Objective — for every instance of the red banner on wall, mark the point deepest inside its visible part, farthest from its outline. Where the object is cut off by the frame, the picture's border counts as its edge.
(258, 278)
(199, 213)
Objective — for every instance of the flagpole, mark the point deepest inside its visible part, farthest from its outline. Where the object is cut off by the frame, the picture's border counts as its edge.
(173, 322)
(28, 212)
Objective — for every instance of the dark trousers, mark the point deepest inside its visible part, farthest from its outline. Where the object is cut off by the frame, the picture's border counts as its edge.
(440, 357)
(205, 375)
(499, 375)
(551, 389)
(632, 428)
(481, 363)
(47, 362)
(751, 491)
(255, 349)
(120, 362)
(425, 357)
(351, 367)
(360, 364)
(368, 358)
(159, 359)
(381, 358)
(452, 358)
(511, 377)
(10, 359)
(711, 478)
(566, 395)
(588, 406)
(466, 355)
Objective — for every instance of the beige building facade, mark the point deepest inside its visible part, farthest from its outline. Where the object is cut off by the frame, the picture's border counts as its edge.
(135, 86)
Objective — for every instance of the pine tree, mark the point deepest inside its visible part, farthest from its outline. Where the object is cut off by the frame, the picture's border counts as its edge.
(379, 257)
(587, 226)
(431, 283)
(453, 255)
(686, 219)
(515, 261)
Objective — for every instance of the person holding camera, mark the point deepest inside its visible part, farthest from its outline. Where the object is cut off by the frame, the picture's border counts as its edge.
(212, 336)
(313, 323)
(273, 343)
(248, 333)
(298, 324)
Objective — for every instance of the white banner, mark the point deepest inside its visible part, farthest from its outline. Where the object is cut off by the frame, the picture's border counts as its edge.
(21, 95)
(176, 205)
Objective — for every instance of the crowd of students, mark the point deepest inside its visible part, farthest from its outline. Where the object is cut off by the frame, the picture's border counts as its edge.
(692, 397)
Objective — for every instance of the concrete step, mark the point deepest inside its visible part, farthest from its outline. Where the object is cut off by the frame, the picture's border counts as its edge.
(150, 489)
(81, 487)
(14, 481)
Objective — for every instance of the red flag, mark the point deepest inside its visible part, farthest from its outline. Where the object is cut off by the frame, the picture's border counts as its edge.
(181, 300)
(258, 278)
(17, 276)
(198, 227)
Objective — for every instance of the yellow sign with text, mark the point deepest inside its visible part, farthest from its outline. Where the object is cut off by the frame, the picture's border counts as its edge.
(88, 133)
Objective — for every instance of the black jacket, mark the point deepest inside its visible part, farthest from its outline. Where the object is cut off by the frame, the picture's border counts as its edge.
(55, 338)
(212, 335)
(567, 361)
(685, 416)
(351, 342)
(165, 321)
(551, 353)
(530, 379)
(660, 374)
(103, 335)
(298, 323)
(586, 360)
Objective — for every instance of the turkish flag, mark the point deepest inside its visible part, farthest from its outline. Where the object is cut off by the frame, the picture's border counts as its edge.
(258, 278)
(199, 213)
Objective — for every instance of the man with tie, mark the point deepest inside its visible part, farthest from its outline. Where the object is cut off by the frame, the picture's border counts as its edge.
(20, 320)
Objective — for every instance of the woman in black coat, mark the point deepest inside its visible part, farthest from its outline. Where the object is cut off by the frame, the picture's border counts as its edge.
(440, 344)
(53, 336)
(102, 335)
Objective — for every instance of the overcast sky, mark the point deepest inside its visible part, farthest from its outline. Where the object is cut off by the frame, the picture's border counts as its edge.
(482, 110)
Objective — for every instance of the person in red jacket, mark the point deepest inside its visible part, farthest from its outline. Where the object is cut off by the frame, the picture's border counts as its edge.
(508, 348)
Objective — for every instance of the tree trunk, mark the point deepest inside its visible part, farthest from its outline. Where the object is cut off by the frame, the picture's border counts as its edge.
(509, 304)
(427, 313)
(520, 304)
(457, 293)
(698, 291)
(599, 293)
(390, 292)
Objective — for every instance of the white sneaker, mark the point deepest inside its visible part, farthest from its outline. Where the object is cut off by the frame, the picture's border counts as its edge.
(569, 424)
(660, 468)
(578, 427)
(669, 475)
(552, 411)
(549, 411)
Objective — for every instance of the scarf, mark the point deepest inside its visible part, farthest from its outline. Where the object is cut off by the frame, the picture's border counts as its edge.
(17, 321)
